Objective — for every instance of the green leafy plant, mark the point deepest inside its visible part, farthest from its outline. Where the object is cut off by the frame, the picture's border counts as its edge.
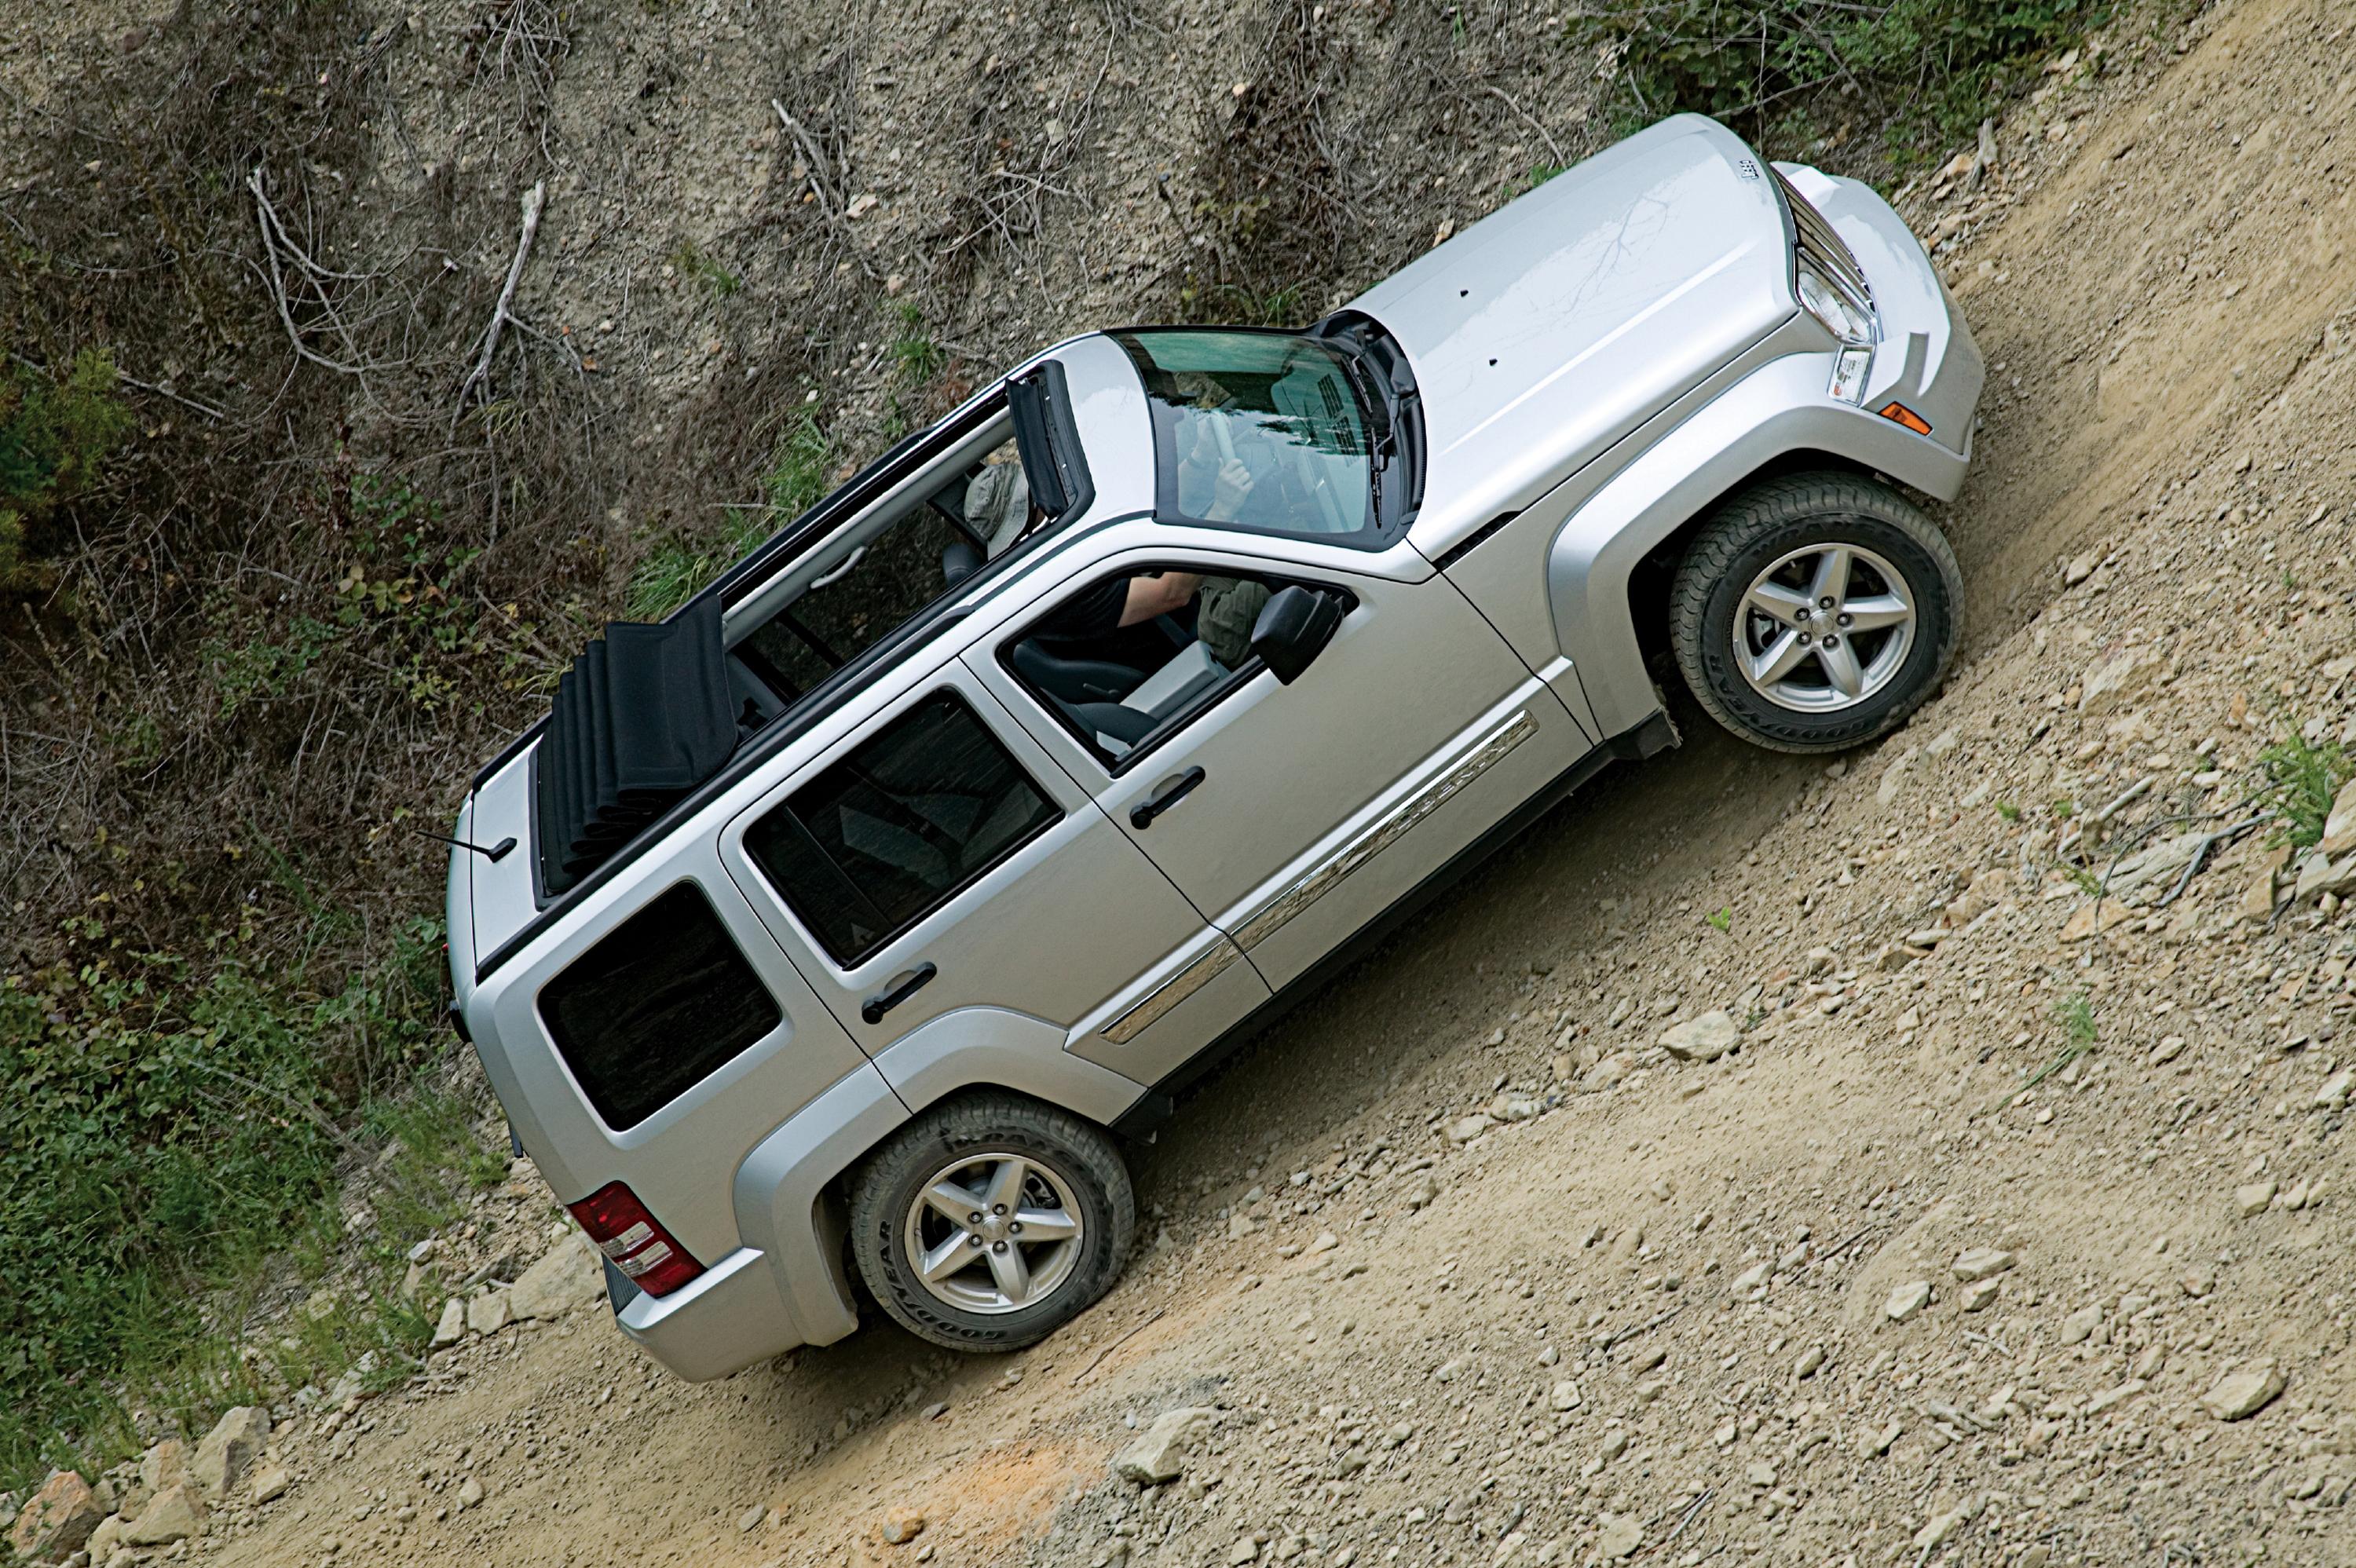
(2074, 1016)
(2303, 777)
(2009, 811)
(1930, 68)
(1232, 304)
(676, 568)
(919, 357)
(171, 1123)
(54, 435)
(697, 267)
(1723, 919)
(1530, 179)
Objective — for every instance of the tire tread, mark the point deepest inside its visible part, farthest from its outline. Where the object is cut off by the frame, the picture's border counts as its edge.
(1711, 558)
(965, 1122)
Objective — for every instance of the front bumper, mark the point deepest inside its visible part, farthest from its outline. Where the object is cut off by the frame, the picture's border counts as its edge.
(1926, 359)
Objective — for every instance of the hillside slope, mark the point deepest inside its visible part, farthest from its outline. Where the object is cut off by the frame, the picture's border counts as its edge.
(1473, 1271)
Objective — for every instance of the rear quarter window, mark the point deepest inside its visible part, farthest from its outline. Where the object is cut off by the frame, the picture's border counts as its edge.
(656, 1007)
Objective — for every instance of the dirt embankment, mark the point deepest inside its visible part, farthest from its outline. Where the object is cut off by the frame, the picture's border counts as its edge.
(1471, 1271)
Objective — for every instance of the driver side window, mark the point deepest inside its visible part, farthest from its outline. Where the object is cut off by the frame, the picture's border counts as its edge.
(1122, 672)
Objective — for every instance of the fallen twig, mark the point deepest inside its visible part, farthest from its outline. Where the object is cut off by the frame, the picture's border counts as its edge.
(2200, 853)
(273, 237)
(1609, 1340)
(1693, 1511)
(1992, 1343)
(1139, 1327)
(503, 313)
(1545, 135)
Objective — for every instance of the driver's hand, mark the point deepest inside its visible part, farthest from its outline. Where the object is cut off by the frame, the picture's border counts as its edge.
(1230, 488)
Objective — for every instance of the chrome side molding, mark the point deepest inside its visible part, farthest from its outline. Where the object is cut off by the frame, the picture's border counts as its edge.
(1151, 1008)
(1330, 873)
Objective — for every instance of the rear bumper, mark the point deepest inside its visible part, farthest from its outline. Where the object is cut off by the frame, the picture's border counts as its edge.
(1927, 359)
(723, 1320)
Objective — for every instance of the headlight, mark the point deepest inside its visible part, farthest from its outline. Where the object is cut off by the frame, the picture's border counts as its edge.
(1823, 299)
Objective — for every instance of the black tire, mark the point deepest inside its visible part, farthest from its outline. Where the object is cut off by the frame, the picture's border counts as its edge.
(1759, 527)
(1075, 1158)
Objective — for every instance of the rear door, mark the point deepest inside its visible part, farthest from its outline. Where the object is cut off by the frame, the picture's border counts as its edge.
(936, 871)
(1292, 816)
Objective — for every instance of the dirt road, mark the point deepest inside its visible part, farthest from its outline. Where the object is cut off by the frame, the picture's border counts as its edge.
(1651, 1309)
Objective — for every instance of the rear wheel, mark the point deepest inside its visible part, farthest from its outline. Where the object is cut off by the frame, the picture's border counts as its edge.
(987, 1223)
(1816, 611)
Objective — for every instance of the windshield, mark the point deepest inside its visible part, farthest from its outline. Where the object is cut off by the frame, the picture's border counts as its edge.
(1263, 431)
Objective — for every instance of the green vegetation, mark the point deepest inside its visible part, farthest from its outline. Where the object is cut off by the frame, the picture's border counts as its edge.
(172, 1124)
(1530, 179)
(696, 267)
(54, 435)
(2007, 810)
(918, 358)
(1723, 919)
(2302, 777)
(673, 571)
(1233, 305)
(1927, 70)
(2074, 1016)
(397, 604)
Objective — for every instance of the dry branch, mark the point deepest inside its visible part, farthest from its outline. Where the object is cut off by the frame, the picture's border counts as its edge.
(503, 313)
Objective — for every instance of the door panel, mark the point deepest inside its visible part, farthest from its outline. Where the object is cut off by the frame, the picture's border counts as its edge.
(1380, 855)
(1291, 775)
(1053, 930)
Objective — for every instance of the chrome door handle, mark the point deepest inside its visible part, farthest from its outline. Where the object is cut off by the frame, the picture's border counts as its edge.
(874, 1008)
(1141, 815)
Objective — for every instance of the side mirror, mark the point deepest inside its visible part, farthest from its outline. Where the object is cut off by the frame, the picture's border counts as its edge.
(1293, 628)
(959, 560)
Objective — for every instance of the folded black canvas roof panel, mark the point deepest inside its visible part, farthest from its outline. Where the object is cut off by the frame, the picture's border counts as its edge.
(642, 717)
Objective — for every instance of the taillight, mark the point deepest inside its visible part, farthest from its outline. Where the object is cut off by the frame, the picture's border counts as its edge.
(645, 1252)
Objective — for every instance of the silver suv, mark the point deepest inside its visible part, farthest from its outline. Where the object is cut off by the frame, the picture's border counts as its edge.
(837, 924)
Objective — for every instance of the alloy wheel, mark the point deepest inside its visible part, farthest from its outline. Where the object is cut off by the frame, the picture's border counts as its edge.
(993, 1232)
(1824, 628)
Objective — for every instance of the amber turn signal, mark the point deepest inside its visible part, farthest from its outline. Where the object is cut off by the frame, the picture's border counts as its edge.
(1907, 417)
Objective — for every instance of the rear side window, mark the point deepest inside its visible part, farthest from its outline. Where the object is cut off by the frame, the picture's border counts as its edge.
(655, 1008)
(911, 816)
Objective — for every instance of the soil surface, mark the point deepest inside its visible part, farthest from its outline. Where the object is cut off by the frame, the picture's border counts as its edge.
(1471, 1271)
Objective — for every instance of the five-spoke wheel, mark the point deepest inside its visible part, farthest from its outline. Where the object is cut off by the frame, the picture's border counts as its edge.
(1825, 627)
(1815, 612)
(992, 1233)
(991, 1219)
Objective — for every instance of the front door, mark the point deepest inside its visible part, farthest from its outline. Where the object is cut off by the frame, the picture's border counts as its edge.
(1290, 816)
(936, 872)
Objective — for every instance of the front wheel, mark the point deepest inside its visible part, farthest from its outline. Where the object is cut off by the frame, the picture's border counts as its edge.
(1815, 612)
(989, 1223)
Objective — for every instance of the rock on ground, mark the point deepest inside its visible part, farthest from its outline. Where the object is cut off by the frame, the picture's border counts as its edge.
(176, 1514)
(1983, 1263)
(567, 1275)
(1705, 1039)
(453, 1325)
(56, 1519)
(1907, 1300)
(1160, 1454)
(229, 1450)
(269, 1483)
(2244, 1391)
(488, 1313)
(1618, 1537)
